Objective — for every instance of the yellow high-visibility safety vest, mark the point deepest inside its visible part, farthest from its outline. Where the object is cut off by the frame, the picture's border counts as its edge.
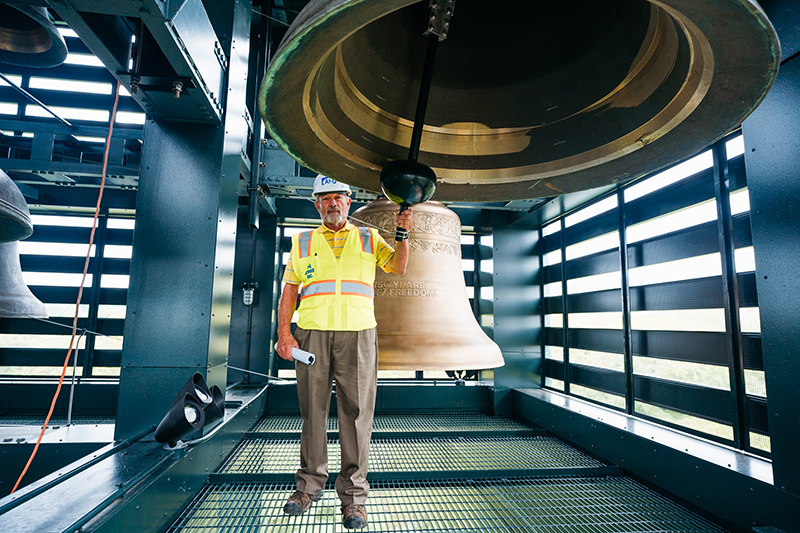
(336, 294)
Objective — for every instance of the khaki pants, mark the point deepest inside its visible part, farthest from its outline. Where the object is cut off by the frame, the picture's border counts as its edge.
(350, 357)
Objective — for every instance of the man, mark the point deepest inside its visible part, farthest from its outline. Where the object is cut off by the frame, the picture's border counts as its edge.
(335, 266)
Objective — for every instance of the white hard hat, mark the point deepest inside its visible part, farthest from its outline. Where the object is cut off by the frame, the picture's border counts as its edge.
(324, 185)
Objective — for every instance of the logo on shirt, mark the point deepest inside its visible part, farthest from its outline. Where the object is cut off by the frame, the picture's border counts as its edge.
(309, 272)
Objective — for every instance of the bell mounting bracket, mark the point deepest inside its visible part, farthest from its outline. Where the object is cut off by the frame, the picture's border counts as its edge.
(441, 11)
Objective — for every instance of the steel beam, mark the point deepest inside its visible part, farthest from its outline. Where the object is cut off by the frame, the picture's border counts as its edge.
(176, 44)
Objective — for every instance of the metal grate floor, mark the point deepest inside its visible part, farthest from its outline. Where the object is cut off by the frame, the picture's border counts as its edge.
(405, 424)
(55, 420)
(548, 505)
(264, 456)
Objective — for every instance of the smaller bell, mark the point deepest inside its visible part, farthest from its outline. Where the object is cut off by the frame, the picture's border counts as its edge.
(424, 318)
(16, 300)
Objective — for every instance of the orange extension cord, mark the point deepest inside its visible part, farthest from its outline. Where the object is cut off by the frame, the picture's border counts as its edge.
(80, 293)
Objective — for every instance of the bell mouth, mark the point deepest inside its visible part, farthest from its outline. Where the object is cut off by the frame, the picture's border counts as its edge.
(527, 100)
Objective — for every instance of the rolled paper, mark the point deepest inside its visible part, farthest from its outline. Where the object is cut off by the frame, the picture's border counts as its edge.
(303, 356)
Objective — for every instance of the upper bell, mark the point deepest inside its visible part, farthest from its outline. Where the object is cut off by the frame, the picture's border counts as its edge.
(28, 38)
(528, 99)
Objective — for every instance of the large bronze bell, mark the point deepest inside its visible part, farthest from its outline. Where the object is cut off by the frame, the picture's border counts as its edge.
(528, 99)
(424, 318)
(28, 38)
(16, 300)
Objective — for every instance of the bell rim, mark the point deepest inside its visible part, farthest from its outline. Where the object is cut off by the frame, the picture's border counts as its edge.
(56, 53)
(15, 219)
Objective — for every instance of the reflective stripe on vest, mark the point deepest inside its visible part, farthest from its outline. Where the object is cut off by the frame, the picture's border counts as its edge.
(357, 288)
(348, 288)
(366, 240)
(319, 288)
(304, 242)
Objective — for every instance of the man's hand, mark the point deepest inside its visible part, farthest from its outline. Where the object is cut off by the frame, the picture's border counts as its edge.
(405, 220)
(397, 264)
(285, 345)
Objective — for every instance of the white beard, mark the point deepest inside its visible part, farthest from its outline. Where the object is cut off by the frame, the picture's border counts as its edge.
(334, 219)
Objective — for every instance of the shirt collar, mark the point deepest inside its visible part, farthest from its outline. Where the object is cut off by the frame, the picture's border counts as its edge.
(322, 228)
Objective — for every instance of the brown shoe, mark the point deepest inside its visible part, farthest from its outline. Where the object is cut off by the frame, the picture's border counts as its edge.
(354, 516)
(300, 501)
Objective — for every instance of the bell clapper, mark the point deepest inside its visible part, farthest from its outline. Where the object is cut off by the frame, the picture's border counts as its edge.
(408, 182)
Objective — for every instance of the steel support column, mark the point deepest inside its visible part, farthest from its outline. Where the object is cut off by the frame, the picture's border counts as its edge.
(101, 235)
(517, 310)
(181, 284)
(625, 292)
(565, 309)
(730, 288)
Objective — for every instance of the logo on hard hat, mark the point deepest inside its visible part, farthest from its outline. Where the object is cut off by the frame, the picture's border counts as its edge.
(324, 184)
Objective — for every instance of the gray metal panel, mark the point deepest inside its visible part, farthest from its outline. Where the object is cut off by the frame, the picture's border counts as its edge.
(517, 300)
(251, 326)
(268, 270)
(785, 16)
(234, 146)
(174, 268)
(151, 507)
(772, 142)
(136, 487)
(66, 504)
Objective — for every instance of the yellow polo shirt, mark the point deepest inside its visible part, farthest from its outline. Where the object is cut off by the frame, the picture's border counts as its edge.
(336, 240)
